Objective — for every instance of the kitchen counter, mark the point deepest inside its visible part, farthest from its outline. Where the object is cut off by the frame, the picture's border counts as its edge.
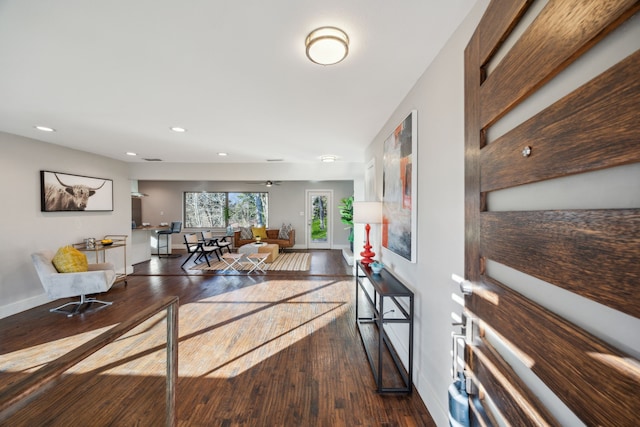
(153, 228)
(144, 242)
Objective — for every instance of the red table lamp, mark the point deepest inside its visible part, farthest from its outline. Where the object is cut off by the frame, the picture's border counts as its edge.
(367, 213)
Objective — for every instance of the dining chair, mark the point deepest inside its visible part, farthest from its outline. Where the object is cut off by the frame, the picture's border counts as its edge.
(195, 246)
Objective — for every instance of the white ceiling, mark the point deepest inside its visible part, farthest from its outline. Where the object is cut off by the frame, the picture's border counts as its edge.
(113, 76)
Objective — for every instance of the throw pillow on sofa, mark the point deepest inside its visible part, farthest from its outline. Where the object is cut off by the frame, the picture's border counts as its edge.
(260, 232)
(246, 233)
(284, 231)
(70, 260)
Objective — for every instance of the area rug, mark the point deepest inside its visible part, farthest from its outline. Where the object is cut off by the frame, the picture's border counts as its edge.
(284, 262)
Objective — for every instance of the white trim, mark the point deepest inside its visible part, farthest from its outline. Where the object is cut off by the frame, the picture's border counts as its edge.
(22, 305)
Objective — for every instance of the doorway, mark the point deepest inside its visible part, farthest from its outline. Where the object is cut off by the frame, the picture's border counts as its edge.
(319, 219)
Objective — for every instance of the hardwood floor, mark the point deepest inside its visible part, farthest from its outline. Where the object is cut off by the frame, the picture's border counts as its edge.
(275, 349)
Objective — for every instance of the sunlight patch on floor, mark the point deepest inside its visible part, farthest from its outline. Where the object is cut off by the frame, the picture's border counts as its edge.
(224, 335)
(30, 359)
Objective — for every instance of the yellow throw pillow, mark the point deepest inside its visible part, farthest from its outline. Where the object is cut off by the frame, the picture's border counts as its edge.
(70, 260)
(259, 232)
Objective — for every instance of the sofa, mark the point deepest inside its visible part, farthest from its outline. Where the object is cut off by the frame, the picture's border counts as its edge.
(272, 237)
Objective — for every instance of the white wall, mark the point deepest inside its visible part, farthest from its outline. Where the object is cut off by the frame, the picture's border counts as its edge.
(438, 96)
(286, 202)
(25, 229)
(222, 171)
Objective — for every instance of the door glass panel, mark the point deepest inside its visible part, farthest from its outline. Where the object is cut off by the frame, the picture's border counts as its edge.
(319, 219)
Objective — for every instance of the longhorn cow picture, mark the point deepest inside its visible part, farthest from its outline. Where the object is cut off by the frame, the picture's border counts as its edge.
(66, 192)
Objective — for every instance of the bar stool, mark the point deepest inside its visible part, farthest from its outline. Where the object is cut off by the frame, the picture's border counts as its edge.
(176, 227)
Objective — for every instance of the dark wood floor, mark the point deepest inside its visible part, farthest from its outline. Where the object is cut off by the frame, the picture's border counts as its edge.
(279, 349)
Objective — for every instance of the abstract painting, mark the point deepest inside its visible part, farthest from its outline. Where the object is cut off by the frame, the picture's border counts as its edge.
(399, 184)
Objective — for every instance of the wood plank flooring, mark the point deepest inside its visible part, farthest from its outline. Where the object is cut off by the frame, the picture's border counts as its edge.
(276, 349)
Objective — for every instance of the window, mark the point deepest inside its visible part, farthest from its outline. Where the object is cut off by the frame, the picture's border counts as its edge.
(209, 210)
(202, 209)
(246, 209)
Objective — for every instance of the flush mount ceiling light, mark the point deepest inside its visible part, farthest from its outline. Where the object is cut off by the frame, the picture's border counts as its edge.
(178, 129)
(131, 153)
(327, 45)
(45, 128)
(328, 159)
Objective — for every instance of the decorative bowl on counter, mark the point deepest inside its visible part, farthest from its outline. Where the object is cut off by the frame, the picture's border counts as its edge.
(376, 267)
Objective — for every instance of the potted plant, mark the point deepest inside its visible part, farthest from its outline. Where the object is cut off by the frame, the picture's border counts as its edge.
(346, 216)
(227, 215)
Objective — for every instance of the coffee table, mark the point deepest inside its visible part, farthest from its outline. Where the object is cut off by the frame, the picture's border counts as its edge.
(262, 248)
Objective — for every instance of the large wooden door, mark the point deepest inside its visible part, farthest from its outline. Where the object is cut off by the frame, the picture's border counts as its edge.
(590, 252)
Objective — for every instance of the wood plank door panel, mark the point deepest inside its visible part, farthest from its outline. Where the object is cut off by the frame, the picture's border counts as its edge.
(586, 130)
(588, 252)
(559, 35)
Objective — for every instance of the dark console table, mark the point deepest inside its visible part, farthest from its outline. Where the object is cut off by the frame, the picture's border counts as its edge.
(387, 292)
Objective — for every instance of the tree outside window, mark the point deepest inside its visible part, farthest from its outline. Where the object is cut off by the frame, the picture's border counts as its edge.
(247, 209)
(212, 210)
(319, 220)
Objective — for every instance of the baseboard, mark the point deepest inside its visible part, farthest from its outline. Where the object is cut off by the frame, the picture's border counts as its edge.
(22, 305)
(348, 255)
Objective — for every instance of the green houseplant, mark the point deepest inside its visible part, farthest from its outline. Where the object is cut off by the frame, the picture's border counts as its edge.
(227, 214)
(346, 216)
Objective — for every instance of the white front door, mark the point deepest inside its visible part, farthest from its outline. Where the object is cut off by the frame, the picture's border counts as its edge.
(319, 219)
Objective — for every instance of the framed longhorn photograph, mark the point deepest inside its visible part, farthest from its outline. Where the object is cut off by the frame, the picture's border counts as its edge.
(62, 192)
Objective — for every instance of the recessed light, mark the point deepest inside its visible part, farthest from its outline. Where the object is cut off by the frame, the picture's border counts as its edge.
(178, 129)
(222, 154)
(45, 128)
(328, 159)
(131, 153)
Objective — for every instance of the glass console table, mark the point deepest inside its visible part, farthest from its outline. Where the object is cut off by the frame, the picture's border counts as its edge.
(119, 241)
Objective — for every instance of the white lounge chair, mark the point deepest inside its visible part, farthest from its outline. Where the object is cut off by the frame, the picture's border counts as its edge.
(99, 278)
